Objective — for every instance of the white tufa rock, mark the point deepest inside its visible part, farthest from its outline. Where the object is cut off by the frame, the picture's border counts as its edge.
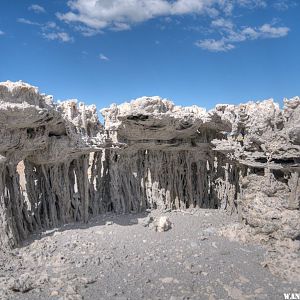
(163, 224)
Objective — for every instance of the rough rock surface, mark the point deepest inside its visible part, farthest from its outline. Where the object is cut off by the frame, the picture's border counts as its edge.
(150, 154)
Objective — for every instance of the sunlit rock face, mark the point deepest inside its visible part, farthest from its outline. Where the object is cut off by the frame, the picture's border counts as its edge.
(149, 153)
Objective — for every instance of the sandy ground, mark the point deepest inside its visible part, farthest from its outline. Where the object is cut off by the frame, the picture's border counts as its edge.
(118, 257)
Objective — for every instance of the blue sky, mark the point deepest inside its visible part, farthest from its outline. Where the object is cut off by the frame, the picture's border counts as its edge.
(200, 52)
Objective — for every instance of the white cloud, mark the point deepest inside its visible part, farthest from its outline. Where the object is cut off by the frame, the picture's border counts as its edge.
(103, 57)
(103, 14)
(214, 45)
(121, 14)
(232, 35)
(50, 25)
(222, 23)
(2, 32)
(267, 31)
(37, 8)
(60, 36)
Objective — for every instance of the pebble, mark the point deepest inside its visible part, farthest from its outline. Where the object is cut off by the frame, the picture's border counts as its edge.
(168, 280)
(194, 244)
(54, 293)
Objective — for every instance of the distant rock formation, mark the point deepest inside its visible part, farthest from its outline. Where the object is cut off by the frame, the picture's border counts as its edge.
(149, 154)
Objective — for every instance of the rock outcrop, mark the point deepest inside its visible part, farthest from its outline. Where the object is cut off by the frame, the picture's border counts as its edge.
(149, 154)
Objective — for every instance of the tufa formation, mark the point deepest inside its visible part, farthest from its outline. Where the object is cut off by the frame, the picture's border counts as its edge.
(59, 164)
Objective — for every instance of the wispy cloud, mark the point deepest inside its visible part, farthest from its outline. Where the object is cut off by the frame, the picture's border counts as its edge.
(49, 30)
(214, 45)
(232, 35)
(267, 31)
(2, 32)
(222, 23)
(251, 4)
(120, 26)
(103, 57)
(50, 25)
(87, 31)
(28, 22)
(37, 8)
(60, 36)
(282, 5)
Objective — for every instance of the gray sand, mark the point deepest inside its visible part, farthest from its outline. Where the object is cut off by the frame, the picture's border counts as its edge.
(117, 257)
